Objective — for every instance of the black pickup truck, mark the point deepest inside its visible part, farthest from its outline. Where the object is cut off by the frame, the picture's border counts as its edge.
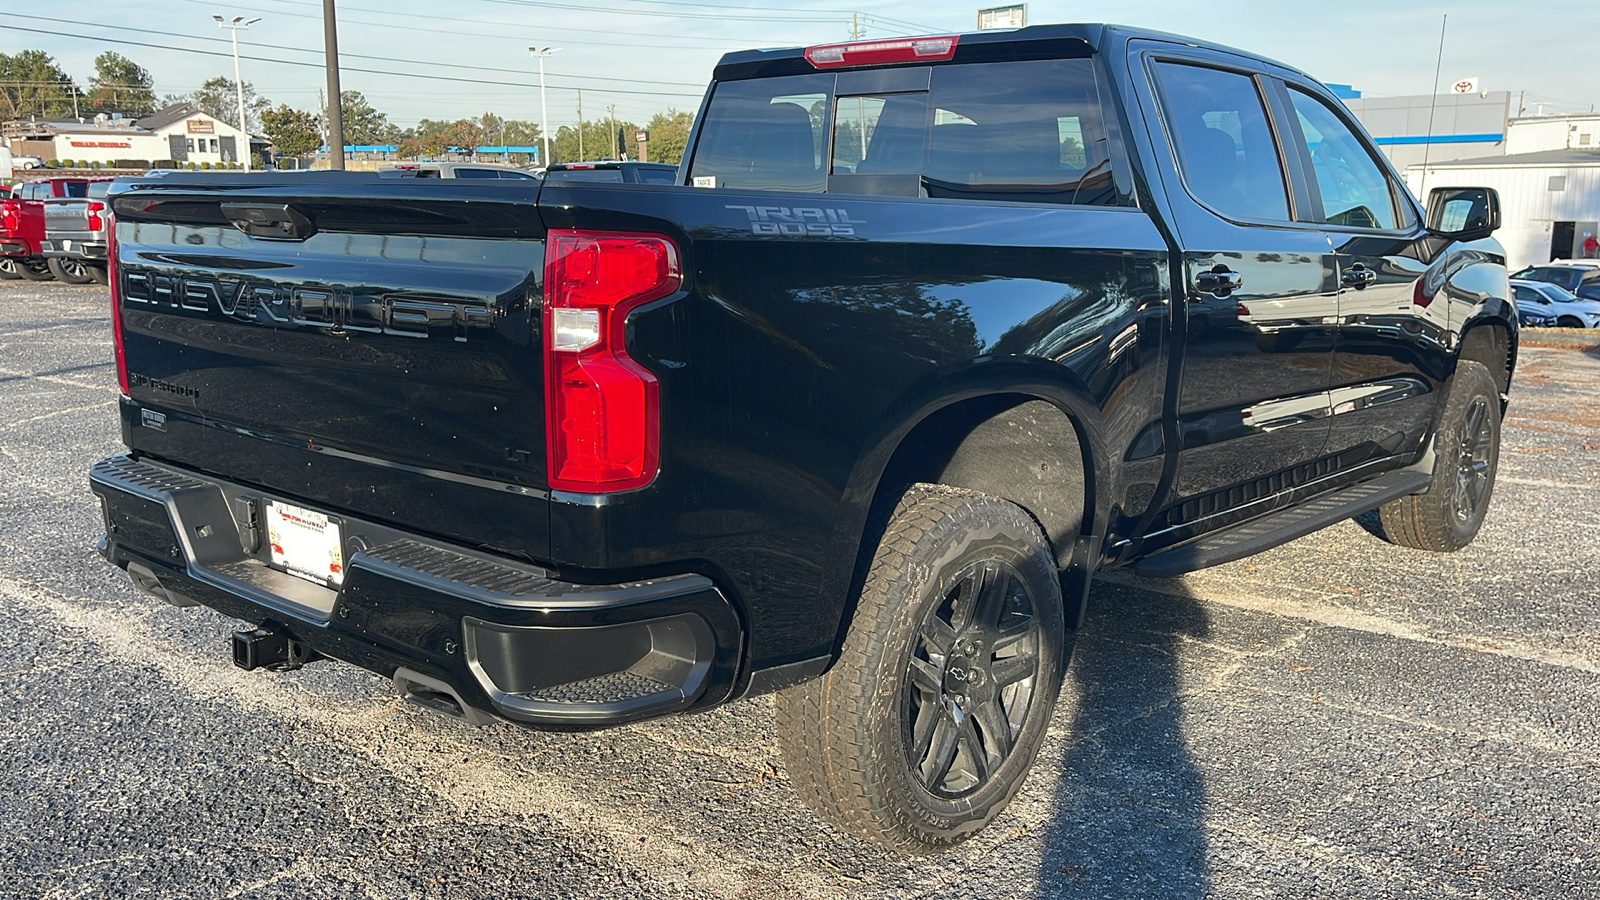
(929, 331)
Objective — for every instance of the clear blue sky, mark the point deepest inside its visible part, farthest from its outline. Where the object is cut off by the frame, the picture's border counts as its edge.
(646, 55)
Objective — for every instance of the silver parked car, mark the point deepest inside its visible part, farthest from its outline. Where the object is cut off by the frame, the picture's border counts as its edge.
(1555, 305)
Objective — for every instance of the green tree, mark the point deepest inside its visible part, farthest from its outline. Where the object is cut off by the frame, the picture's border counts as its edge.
(597, 141)
(520, 133)
(121, 85)
(31, 84)
(669, 135)
(362, 123)
(293, 132)
(217, 99)
(467, 135)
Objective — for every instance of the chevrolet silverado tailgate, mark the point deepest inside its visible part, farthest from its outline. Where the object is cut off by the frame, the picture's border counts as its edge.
(369, 345)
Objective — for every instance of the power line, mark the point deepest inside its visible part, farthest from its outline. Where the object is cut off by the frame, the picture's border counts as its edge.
(362, 55)
(497, 24)
(293, 62)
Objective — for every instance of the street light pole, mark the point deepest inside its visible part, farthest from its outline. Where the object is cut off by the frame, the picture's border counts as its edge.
(330, 56)
(239, 23)
(544, 109)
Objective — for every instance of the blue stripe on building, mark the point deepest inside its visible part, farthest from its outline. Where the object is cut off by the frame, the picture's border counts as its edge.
(1441, 139)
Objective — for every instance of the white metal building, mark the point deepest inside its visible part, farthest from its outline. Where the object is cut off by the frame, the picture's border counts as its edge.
(193, 136)
(1549, 201)
(1531, 134)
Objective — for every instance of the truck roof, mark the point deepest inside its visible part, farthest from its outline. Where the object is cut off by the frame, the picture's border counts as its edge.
(997, 45)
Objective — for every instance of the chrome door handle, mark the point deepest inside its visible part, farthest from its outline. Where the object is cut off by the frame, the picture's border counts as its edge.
(1358, 276)
(1219, 280)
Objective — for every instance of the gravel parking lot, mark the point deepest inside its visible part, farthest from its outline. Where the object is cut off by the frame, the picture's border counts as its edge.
(1337, 717)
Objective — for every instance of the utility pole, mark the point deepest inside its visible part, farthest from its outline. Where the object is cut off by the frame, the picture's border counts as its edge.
(330, 50)
(580, 125)
(611, 113)
(856, 31)
(544, 110)
(239, 23)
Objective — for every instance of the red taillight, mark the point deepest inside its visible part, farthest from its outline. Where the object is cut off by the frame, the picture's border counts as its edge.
(1420, 295)
(116, 304)
(873, 53)
(95, 208)
(10, 215)
(602, 414)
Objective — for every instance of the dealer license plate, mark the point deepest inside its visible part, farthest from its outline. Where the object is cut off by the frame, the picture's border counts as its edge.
(305, 543)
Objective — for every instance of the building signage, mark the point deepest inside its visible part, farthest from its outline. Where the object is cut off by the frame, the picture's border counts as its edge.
(117, 145)
(1465, 86)
(202, 126)
(641, 136)
(1003, 17)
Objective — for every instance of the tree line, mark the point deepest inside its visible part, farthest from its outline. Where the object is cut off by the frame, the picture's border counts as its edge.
(33, 84)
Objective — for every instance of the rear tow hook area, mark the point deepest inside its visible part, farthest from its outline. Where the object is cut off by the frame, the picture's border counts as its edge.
(271, 649)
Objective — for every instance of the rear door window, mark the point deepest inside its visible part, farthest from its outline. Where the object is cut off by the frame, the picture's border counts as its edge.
(1225, 150)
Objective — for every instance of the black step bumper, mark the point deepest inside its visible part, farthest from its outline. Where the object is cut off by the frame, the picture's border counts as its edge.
(460, 631)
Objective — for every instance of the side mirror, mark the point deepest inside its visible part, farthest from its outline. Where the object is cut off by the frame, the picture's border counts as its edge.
(1463, 214)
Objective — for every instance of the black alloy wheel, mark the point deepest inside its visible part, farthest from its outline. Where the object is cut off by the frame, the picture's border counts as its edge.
(970, 679)
(1466, 455)
(1473, 461)
(929, 720)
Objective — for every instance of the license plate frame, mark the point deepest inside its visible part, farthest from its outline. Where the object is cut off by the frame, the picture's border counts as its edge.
(306, 543)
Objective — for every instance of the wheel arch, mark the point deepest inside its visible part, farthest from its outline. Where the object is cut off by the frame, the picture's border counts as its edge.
(1010, 430)
(1491, 341)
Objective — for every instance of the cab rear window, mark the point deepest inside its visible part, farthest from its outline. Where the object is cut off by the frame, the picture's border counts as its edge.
(1027, 131)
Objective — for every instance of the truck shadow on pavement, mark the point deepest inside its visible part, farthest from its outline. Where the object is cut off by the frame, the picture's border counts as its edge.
(1127, 816)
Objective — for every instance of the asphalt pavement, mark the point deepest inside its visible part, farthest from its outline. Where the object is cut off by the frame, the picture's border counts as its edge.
(1334, 718)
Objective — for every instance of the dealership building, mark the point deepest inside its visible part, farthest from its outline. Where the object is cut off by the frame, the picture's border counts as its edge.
(181, 133)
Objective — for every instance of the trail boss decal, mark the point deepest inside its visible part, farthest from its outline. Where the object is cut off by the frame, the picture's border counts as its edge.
(800, 220)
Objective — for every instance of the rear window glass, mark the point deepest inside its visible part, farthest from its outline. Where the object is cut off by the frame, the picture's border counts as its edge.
(75, 189)
(583, 175)
(1027, 131)
(98, 189)
(657, 176)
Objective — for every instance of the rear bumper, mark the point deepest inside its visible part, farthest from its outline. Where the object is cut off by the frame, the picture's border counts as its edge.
(16, 248)
(460, 631)
(74, 249)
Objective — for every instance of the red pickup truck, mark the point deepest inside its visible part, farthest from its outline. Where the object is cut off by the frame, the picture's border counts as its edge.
(22, 224)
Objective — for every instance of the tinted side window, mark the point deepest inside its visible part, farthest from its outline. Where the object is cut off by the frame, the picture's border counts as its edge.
(515, 176)
(583, 175)
(657, 176)
(477, 173)
(766, 134)
(1224, 145)
(1525, 294)
(1350, 186)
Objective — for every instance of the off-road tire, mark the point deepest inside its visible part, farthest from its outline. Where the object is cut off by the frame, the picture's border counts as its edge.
(70, 271)
(34, 270)
(847, 737)
(1466, 455)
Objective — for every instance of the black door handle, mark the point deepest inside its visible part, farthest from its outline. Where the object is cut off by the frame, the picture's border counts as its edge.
(1358, 276)
(1219, 280)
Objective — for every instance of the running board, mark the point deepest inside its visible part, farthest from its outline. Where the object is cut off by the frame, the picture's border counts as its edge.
(1281, 527)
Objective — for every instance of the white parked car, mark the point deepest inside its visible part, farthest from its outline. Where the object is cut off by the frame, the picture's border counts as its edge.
(1555, 304)
(26, 162)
